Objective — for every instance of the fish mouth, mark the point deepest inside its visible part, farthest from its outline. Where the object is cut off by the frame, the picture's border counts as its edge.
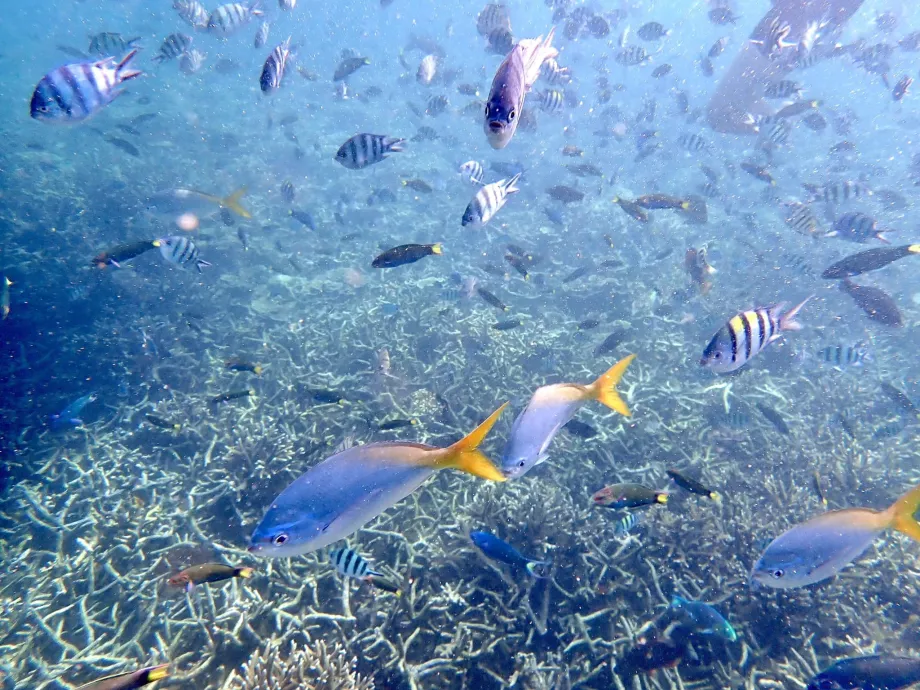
(253, 548)
(496, 126)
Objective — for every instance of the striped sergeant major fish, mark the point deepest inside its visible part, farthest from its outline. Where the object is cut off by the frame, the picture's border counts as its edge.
(363, 150)
(841, 356)
(192, 12)
(836, 192)
(181, 251)
(233, 16)
(488, 201)
(273, 69)
(352, 564)
(551, 100)
(747, 334)
(626, 524)
(472, 171)
(80, 90)
(110, 43)
(513, 79)
(172, 47)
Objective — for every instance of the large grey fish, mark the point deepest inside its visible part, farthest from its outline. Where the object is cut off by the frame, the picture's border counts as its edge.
(345, 491)
(514, 78)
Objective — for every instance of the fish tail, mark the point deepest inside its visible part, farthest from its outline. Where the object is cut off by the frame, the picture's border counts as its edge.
(243, 572)
(123, 71)
(787, 321)
(914, 249)
(539, 569)
(233, 203)
(901, 514)
(604, 389)
(149, 675)
(437, 249)
(465, 454)
(509, 185)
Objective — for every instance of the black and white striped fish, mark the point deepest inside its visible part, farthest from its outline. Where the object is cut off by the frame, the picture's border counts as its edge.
(192, 12)
(75, 92)
(554, 74)
(747, 334)
(232, 17)
(274, 67)
(783, 88)
(109, 43)
(630, 56)
(262, 35)
(692, 142)
(363, 150)
(836, 192)
(488, 201)
(351, 564)
(551, 100)
(191, 62)
(172, 47)
(472, 171)
(841, 356)
(625, 525)
(777, 133)
(181, 251)
(801, 218)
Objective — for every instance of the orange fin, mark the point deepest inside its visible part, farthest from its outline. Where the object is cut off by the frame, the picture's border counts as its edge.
(902, 514)
(465, 454)
(604, 389)
(233, 203)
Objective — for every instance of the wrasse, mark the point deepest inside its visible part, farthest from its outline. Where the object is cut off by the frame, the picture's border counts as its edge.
(130, 680)
(869, 260)
(345, 491)
(208, 573)
(161, 423)
(548, 411)
(622, 496)
(237, 364)
(231, 395)
(123, 252)
(821, 547)
(692, 485)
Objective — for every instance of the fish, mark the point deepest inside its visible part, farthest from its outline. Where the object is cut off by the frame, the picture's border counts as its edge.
(326, 397)
(626, 524)
(491, 299)
(350, 563)
(338, 496)
(877, 304)
(125, 146)
(661, 71)
(549, 409)
(192, 61)
(231, 17)
(231, 202)
(305, 218)
(845, 355)
(207, 573)
(822, 546)
(588, 324)
(704, 618)
(363, 150)
(287, 5)
(553, 73)
(237, 364)
(76, 92)
(121, 253)
(758, 172)
(746, 334)
(900, 89)
(68, 416)
(698, 269)
(579, 272)
(5, 298)
(899, 398)
(692, 485)
(585, 170)
(232, 395)
(837, 192)
(631, 56)
(650, 653)
(801, 218)
(774, 418)
(611, 342)
(349, 66)
(427, 70)
(774, 40)
(161, 423)
(818, 488)
(498, 549)
(565, 194)
(879, 672)
(405, 254)
(261, 37)
(180, 250)
(621, 496)
(632, 209)
(580, 429)
(692, 142)
(513, 79)
(394, 424)
(129, 680)
(172, 47)
(550, 101)
(418, 185)
(108, 43)
(274, 68)
(472, 172)
(518, 264)
(661, 201)
(192, 12)
(488, 201)
(717, 48)
(856, 226)
(652, 31)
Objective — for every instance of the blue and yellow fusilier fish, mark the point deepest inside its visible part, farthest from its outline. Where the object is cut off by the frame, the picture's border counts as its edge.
(550, 408)
(821, 547)
(747, 334)
(336, 497)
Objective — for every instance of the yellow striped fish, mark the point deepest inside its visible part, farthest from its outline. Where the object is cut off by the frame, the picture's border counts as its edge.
(746, 334)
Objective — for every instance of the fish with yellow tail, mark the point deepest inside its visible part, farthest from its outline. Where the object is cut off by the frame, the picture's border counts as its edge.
(130, 680)
(747, 334)
(231, 202)
(345, 491)
(821, 547)
(550, 408)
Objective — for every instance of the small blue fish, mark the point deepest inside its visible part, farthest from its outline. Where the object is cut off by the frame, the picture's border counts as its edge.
(625, 525)
(880, 672)
(704, 618)
(501, 551)
(68, 416)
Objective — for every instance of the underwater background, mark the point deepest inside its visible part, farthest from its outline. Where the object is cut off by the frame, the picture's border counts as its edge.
(151, 412)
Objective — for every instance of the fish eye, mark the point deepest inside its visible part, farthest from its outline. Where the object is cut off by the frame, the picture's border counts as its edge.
(487, 110)
(718, 355)
(778, 573)
(511, 115)
(521, 463)
(280, 539)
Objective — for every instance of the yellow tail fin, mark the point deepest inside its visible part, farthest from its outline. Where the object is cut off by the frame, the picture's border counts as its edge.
(156, 673)
(902, 514)
(465, 454)
(604, 389)
(233, 203)
(244, 572)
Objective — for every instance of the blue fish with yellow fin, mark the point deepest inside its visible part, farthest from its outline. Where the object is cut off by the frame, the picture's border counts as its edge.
(550, 408)
(345, 491)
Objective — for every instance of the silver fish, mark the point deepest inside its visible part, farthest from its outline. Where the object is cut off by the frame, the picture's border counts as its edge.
(363, 150)
(233, 16)
(180, 250)
(488, 201)
(192, 12)
(274, 67)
